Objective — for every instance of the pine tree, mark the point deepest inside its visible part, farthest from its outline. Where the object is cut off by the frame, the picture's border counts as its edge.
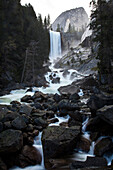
(102, 26)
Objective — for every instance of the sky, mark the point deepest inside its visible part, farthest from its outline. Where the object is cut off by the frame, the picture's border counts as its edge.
(56, 7)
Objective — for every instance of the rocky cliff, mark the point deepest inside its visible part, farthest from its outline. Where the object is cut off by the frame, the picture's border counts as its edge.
(77, 18)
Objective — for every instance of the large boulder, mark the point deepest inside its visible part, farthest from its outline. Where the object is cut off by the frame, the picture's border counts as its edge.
(87, 83)
(106, 114)
(103, 146)
(25, 109)
(102, 122)
(26, 98)
(58, 141)
(39, 95)
(19, 123)
(29, 156)
(10, 141)
(98, 101)
(65, 104)
(40, 122)
(69, 89)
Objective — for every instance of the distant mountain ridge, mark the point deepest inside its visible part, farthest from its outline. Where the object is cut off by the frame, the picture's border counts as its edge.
(77, 18)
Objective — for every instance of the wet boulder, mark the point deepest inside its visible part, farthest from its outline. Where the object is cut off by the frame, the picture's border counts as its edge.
(10, 141)
(83, 144)
(29, 156)
(103, 146)
(69, 89)
(56, 80)
(39, 96)
(65, 73)
(26, 98)
(58, 141)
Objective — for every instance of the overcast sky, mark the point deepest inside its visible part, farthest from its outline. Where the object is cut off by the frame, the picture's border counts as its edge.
(56, 7)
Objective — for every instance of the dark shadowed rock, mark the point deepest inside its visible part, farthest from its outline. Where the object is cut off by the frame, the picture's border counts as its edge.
(15, 103)
(83, 144)
(40, 122)
(19, 123)
(54, 120)
(29, 156)
(2, 165)
(76, 116)
(98, 101)
(56, 80)
(103, 146)
(3, 112)
(38, 105)
(29, 90)
(87, 83)
(39, 95)
(98, 125)
(74, 97)
(7, 115)
(25, 109)
(106, 114)
(69, 89)
(7, 125)
(26, 98)
(57, 97)
(73, 122)
(11, 141)
(57, 141)
(1, 126)
(65, 104)
(90, 162)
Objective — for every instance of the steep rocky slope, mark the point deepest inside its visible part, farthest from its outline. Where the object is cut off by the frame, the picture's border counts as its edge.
(77, 18)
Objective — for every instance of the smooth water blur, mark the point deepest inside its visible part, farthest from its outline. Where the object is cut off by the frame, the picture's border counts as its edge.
(55, 44)
(14, 95)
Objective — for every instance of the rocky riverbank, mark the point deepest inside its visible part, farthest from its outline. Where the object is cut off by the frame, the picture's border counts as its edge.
(21, 122)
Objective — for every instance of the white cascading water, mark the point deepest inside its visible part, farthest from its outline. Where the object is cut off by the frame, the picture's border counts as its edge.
(55, 44)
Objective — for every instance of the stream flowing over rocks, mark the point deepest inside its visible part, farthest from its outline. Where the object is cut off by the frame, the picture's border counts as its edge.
(67, 125)
(65, 141)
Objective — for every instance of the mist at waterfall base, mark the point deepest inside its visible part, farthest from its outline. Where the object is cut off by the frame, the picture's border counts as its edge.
(55, 53)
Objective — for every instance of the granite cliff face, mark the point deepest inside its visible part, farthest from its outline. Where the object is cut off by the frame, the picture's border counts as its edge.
(77, 18)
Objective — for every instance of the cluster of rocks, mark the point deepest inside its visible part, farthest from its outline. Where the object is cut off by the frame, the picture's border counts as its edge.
(100, 124)
(20, 123)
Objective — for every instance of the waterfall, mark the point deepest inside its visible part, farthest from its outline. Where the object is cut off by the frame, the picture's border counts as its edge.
(55, 44)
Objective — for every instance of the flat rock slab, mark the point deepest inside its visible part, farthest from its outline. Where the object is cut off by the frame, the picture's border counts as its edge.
(57, 141)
